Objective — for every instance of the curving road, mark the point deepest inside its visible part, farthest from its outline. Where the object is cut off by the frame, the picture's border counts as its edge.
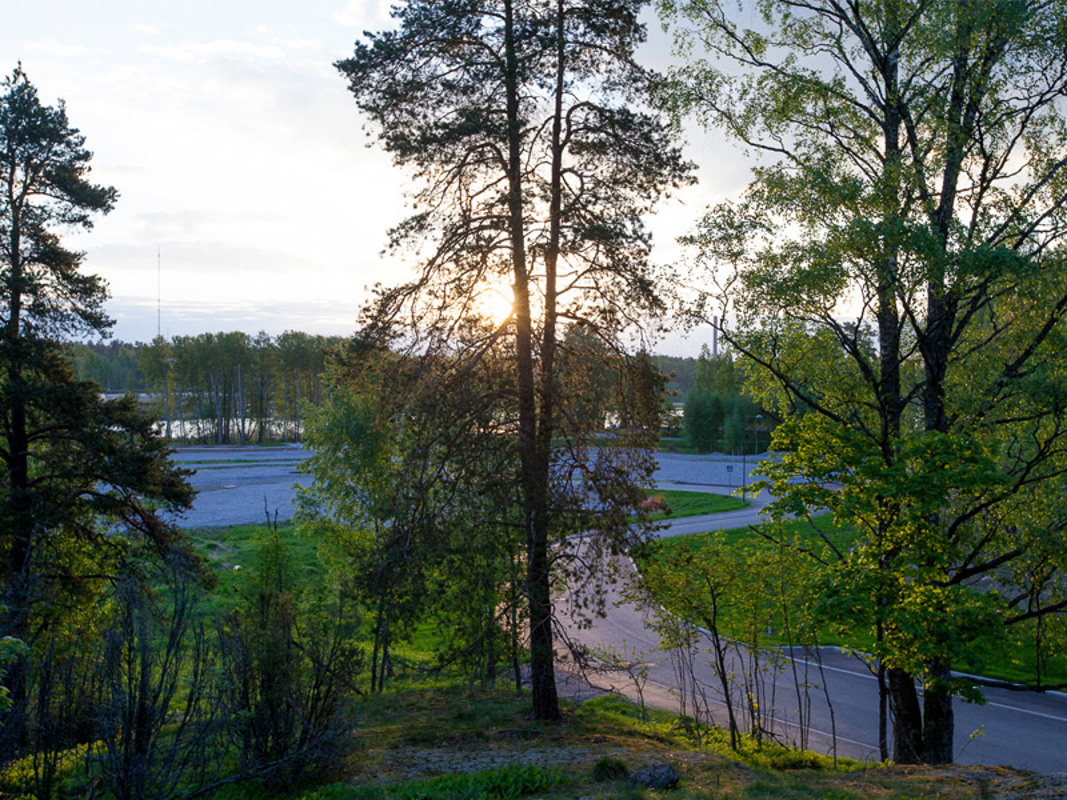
(1022, 730)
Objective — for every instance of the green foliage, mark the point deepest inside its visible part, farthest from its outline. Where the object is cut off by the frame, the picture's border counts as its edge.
(895, 270)
(681, 372)
(224, 388)
(718, 374)
(415, 498)
(291, 662)
(79, 476)
(11, 649)
(714, 422)
(717, 416)
(690, 504)
(504, 783)
(1029, 653)
(555, 93)
(610, 769)
(115, 366)
(154, 664)
(516, 780)
(739, 584)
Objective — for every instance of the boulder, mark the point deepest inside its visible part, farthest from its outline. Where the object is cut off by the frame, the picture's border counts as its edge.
(658, 776)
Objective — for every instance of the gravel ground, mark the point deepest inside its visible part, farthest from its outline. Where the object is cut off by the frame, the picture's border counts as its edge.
(239, 485)
(399, 765)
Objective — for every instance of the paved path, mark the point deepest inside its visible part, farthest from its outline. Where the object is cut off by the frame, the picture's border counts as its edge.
(238, 485)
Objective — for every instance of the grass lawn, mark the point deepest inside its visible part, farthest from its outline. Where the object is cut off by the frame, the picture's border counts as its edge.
(1013, 661)
(677, 445)
(230, 550)
(231, 547)
(691, 504)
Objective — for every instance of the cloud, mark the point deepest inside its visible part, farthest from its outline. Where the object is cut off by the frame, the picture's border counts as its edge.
(136, 317)
(364, 14)
(202, 267)
(194, 52)
(56, 49)
(187, 223)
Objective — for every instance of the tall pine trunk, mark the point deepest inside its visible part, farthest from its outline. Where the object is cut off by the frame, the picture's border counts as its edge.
(533, 460)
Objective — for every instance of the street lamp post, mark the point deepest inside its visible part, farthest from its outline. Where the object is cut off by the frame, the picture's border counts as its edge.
(744, 452)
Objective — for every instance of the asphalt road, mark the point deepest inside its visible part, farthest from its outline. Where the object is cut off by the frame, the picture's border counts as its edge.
(1023, 730)
(1018, 729)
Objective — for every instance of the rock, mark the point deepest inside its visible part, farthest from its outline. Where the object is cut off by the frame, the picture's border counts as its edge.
(658, 776)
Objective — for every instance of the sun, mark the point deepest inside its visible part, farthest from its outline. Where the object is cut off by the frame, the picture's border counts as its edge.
(495, 302)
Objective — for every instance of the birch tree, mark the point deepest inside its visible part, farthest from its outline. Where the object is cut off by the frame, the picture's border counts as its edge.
(895, 269)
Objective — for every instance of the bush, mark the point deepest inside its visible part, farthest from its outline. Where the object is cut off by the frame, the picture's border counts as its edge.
(610, 769)
(289, 669)
(514, 780)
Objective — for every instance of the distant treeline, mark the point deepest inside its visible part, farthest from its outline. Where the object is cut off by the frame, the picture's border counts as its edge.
(200, 377)
(682, 371)
(232, 388)
(221, 388)
(718, 415)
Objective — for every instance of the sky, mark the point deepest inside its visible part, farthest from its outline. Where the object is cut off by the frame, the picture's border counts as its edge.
(249, 198)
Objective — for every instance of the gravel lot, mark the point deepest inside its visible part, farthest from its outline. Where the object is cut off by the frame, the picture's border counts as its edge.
(238, 485)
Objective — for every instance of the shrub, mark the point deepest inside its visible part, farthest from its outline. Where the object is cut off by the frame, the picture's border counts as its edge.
(609, 769)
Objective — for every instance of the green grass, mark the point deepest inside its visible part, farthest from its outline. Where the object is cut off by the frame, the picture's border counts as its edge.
(228, 463)
(691, 504)
(608, 730)
(422, 720)
(231, 547)
(747, 540)
(230, 551)
(672, 445)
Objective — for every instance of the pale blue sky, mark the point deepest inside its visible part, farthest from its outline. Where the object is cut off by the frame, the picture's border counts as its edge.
(238, 154)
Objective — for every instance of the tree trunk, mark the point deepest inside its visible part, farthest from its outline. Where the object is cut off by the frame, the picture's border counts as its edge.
(907, 718)
(241, 400)
(285, 408)
(533, 467)
(296, 405)
(938, 721)
(883, 712)
(166, 399)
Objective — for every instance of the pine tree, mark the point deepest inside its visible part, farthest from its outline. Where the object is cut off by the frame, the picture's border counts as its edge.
(519, 119)
(74, 466)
